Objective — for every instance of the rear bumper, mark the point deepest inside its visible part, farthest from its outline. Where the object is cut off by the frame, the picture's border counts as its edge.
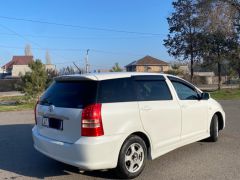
(87, 153)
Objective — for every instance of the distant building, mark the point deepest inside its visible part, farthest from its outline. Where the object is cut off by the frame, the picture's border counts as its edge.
(205, 77)
(1, 70)
(50, 67)
(204, 74)
(101, 70)
(184, 69)
(148, 64)
(17, 66)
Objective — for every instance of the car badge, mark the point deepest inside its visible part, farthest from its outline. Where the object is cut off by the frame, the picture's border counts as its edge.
(51, 108)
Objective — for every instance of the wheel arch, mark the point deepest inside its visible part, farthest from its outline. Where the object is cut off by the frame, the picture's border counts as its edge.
(145, 138)
(220, 120)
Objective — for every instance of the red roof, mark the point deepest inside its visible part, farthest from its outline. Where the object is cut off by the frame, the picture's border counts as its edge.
(148, 60)
(18, 60)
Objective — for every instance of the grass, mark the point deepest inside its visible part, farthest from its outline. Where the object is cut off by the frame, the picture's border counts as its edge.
(19, 107)
(11, 98)
(226, 94)
(15, 106)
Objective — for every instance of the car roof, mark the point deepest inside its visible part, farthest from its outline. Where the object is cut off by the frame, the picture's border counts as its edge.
(105, 76)
(114, 75)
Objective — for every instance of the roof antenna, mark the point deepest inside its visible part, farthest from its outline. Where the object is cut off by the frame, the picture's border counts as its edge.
(80, 72)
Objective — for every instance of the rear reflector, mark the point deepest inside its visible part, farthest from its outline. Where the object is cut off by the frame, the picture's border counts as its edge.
(92, 121)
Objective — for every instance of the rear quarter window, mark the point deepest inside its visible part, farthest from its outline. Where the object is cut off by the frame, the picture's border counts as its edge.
(116, 90)
(70, 94)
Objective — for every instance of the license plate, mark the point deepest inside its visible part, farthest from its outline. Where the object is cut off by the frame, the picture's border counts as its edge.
(52, 123)
(45, 122)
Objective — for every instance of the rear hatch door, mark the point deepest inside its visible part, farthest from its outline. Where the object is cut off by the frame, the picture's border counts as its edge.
(60, 108)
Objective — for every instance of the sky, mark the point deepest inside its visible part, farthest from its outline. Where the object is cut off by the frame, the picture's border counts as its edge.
(113, 31)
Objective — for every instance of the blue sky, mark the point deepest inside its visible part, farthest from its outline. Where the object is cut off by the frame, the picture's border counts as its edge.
(68, 44)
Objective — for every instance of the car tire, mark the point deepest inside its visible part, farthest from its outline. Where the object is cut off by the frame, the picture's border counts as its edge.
(132, 158)
(214, 129)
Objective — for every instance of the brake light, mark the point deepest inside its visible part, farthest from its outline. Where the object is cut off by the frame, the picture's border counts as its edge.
(92, 120)
(35, 112)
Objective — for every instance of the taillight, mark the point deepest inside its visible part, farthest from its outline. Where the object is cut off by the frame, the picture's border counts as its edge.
(35, 112)
(92, 120)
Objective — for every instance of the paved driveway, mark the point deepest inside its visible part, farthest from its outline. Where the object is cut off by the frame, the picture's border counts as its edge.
(201, 160)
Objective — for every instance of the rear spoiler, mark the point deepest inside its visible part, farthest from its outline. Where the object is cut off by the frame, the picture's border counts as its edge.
(75, 78)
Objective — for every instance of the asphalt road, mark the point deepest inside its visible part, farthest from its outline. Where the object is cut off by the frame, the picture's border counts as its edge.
(200, 160)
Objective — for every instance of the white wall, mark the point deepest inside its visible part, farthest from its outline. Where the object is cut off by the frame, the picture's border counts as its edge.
(20, 69)
(50, 67)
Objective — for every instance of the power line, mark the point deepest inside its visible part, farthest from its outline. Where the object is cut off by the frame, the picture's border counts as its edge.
(77, 49)
(54, 49)
(116, 53)
(82, 63)
(19, 35)
(76, 38)
(43, 49)
(81, 27)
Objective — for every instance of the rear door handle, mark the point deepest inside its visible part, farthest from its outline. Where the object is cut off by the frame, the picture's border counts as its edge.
(146, 108)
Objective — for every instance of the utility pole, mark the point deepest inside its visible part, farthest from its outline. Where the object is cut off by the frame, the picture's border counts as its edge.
(86, 62)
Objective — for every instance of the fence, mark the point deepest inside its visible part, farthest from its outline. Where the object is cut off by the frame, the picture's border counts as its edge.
(9, 85)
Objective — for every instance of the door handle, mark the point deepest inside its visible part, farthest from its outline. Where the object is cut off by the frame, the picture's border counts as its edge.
(146, 108)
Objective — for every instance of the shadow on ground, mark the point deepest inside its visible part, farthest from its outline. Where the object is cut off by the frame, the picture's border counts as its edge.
(17, 155)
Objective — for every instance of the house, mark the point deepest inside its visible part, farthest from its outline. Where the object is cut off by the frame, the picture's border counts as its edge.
(1, 70)
(50, 67)
(17, 66)
(148, 64)
(204, 77)
(184, 69)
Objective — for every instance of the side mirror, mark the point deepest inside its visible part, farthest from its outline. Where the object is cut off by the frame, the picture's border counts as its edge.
(205, 96)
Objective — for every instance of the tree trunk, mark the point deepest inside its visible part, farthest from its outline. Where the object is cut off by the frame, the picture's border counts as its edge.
(219, 75)
(191, 67)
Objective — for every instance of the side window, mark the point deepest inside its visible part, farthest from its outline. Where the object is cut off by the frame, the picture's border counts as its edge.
(185, 92)
(148, 90)
(116, 90)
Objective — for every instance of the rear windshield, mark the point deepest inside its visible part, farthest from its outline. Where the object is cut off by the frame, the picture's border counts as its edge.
(70, 94)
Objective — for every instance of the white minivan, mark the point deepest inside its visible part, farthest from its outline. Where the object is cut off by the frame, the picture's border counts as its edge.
(118, 120)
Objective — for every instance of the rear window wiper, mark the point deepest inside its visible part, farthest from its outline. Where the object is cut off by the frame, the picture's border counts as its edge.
(45, 102)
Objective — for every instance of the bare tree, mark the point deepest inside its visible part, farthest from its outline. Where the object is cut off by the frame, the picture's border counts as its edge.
(28, 50)
(219, 32)
(234, 3)
(48, 58)
(68, 70)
